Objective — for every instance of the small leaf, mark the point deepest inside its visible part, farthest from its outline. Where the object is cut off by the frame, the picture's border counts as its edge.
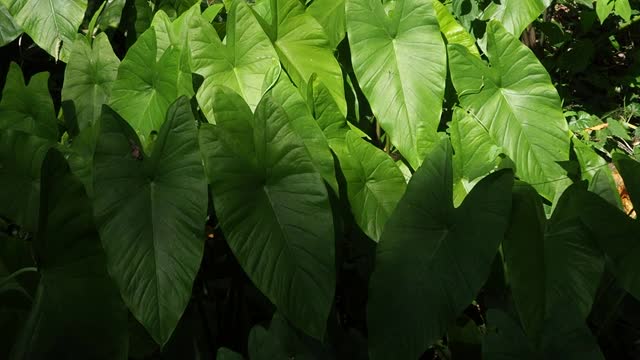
(28, 108)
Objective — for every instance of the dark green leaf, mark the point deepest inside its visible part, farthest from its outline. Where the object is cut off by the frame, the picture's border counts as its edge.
(150, 211)
(433, 258)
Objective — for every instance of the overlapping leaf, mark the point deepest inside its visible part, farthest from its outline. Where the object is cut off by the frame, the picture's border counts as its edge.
(615, 231)
(88, 78)
(242, 63)
(28, 108)
(518, 106)
(302, 46)
(331, 15)
(515, 15)
(552, 264)
(150, 210)
(433, 258)
(77, 308)
(452, 30)
(21, 157)
(272, 206)
(52, 24)
(374, 183)
(9, 30)
(303, 123)
(145, 87)
(400, 62)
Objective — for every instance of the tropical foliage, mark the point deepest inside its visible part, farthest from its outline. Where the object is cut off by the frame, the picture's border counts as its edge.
(277, 179)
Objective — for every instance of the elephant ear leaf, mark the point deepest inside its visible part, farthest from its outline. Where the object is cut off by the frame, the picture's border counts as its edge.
(75, 292)
(52, 24)
(273, 207)
(400, 62)
(153, 262)
(433, 258)
(517, 105)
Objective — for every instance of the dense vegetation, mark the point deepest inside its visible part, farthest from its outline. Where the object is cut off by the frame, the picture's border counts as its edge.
(320, 179)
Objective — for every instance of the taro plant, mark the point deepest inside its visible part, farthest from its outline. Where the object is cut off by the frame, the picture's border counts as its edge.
(318, 179)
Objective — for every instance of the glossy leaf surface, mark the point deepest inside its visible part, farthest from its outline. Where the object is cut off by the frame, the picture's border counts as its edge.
(273, 207)
(515, 102)
(88, 78)
(52, 24)
(400, 62)
(149, 209)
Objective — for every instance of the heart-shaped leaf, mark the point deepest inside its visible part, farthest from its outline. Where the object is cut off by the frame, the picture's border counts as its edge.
(515, 102)
(28, 108)
(400, 62)
(52, 24)
(77, 308)
(150, 211)
(88, 78)
(242, 63)
(145, 87)
(433, 258)
(273, 207)
(302, 46)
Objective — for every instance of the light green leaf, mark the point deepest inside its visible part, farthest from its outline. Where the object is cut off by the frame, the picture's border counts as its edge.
(153, 262)
(433, 258)
(304, 48)
(604, 9)
(552, 264)
(241, 63)
(273, 207)
(176, 34)
(145, 87)
(475, 153)
(596, 171)
(623, 9)
(212, 11)
(452, 30)
(331, 15)
(515, 15)
(21, 157)
(77, 309)
(51, 24)
(303, 123)
(110, 17)
(375, 184)
(516, 103)
(400, 63)
(9, 30)
(88, 78)
(28, 108)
